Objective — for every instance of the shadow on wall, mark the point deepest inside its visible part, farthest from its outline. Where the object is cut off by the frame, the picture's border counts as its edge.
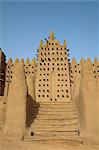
(31, 110)
(80, 107)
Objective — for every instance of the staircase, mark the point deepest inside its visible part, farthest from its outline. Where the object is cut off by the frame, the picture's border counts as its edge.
(54, 121)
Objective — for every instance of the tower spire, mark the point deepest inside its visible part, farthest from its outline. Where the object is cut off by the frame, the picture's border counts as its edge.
(52, 36)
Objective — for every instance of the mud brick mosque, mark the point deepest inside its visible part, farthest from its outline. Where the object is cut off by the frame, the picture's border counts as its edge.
(51, 98)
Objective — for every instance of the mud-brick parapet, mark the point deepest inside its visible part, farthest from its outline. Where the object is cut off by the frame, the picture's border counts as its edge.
(29, 68)
(2, 72)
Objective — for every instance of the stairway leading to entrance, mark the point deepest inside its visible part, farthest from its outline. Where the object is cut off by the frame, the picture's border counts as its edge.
(54, 121)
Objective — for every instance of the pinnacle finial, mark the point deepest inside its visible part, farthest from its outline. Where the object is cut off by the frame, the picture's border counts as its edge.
(65, 45)
(9, 61)
(88, 61)
(33, 62)
(82, 61)
(95, 60)
(22, 60)
(16, 61)
(41, 43)
(27, 61)
(52, 36)
(74, 61)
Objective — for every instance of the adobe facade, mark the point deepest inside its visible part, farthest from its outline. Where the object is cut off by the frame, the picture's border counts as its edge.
(53, 83)
(51, 97)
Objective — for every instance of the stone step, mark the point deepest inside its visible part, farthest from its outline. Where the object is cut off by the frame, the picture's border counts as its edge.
(55, 103)
(41, 112)
(55, 109)
(56, 106)
(56, 116)
(55, 133)
(54, 128)
(41, 138)
(57, 121)
(64, 109)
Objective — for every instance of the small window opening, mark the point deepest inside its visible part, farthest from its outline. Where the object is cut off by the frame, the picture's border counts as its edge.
(32, 133)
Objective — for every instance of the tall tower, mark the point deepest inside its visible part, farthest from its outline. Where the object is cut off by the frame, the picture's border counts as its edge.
(52, 82)
(2, 72)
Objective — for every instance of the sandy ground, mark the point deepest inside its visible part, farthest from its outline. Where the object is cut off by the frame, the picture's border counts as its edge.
(16, 145)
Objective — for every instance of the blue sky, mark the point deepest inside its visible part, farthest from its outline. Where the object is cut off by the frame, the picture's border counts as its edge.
(24, 23)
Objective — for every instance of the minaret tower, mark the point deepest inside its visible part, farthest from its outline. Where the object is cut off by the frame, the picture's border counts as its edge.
(52, 82)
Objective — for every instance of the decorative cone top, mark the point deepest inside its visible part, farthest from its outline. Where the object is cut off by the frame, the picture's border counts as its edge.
(22, 60)
(9, 61)
(52, 36)
(65, 44)
(41, 43)
(16, 61)
(27, 61)
(82, 61)
(33, 62)
(88, 61)
(95, 60)
(74, 61)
